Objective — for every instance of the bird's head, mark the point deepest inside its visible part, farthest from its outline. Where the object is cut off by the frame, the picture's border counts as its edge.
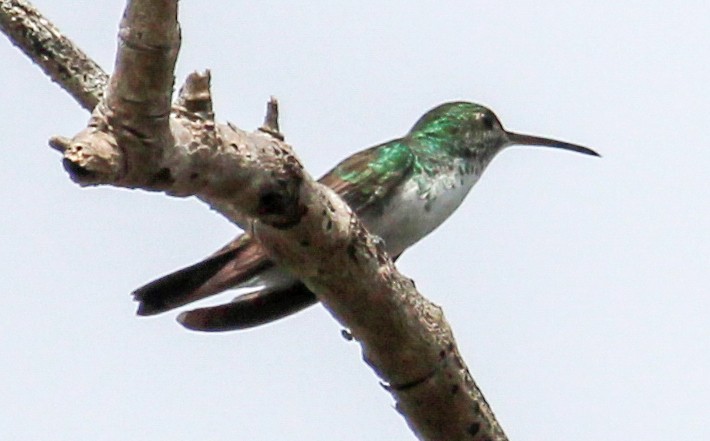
(473, 131)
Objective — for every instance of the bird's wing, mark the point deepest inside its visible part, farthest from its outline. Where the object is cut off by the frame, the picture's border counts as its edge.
(360, 180)
(370, 175)
(249, 310)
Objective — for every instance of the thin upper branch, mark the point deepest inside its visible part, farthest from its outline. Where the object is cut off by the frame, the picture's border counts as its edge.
(59, 58)
(255, 180)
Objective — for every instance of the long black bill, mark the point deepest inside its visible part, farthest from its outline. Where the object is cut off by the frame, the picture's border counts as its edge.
(520, 139)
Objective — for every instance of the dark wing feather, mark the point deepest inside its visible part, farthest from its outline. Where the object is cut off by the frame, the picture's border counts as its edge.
(249, 310)
(235, 263)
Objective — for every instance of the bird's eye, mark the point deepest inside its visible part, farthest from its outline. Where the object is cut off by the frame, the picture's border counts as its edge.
(487, 121)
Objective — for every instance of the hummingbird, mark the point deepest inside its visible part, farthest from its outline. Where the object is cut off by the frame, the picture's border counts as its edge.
(401, 190)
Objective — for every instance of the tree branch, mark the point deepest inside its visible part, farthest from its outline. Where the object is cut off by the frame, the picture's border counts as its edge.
(59, 58)
(135, 139)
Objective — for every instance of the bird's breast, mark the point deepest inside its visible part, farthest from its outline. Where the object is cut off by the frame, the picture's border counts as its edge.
(418, 207)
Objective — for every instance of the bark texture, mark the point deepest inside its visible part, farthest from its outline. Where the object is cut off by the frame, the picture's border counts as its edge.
(59, 58)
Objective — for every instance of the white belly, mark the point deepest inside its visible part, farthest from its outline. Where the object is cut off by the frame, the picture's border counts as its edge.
(413, 215)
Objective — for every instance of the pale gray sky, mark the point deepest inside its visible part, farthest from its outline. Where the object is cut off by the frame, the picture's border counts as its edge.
(577, 288)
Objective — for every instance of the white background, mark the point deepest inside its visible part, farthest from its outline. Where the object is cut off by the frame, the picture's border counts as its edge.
(577, 287)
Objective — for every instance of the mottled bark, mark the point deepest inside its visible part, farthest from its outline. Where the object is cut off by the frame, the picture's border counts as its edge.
(59, 58)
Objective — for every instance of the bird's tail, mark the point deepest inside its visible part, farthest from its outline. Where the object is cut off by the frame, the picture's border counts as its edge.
(229, 267)
(233, 266)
